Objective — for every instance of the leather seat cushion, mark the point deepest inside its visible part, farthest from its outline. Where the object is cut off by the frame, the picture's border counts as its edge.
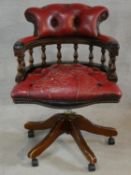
(66, 82)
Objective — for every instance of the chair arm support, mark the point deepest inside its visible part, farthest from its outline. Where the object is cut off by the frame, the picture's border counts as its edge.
(112, 46)
(22, 44)
(108, 42)
(19, 51)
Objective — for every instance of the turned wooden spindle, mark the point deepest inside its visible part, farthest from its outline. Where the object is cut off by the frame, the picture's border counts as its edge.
(91, 56)
(43, 56)
(59, 55)
(21, 67)
(76, 53)
(103, 57)
(112, 66)
(31, 59)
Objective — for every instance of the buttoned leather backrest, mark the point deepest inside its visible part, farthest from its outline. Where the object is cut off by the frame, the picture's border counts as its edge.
(66, 20)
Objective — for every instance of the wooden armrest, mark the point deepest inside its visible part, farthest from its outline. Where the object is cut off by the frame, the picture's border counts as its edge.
(23, 43)
(108, 42)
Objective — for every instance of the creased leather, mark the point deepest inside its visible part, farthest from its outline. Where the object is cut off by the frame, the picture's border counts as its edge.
(66, 82)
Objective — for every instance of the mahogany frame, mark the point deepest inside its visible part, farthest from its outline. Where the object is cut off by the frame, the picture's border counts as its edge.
(69, 123)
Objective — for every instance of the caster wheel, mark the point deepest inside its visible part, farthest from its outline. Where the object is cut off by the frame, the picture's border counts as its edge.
(31, 133)
(34, 162)
(91, 167)
(111, 141)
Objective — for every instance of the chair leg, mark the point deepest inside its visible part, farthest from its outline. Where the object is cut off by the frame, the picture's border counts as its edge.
(49, 123)
(86, 125)
(76, 134)
(55, 132)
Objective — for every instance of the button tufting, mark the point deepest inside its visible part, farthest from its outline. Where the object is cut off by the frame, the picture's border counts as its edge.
(31, 84)
(91, 73)
(76, 22)
(99, 84)
(70, 19)
(54, 22)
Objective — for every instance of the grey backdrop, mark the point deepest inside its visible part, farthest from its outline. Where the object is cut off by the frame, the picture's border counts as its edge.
(63, 157)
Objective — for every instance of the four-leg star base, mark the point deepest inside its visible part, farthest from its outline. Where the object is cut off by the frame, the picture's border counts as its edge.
(72, 124)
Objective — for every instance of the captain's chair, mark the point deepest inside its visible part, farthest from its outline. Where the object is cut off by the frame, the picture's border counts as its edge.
(67, 85)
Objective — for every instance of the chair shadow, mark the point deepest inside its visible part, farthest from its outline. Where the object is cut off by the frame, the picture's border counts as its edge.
(15, 145)
(62, 163)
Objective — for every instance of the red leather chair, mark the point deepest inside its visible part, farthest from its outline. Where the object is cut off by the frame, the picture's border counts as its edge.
(71, 84)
